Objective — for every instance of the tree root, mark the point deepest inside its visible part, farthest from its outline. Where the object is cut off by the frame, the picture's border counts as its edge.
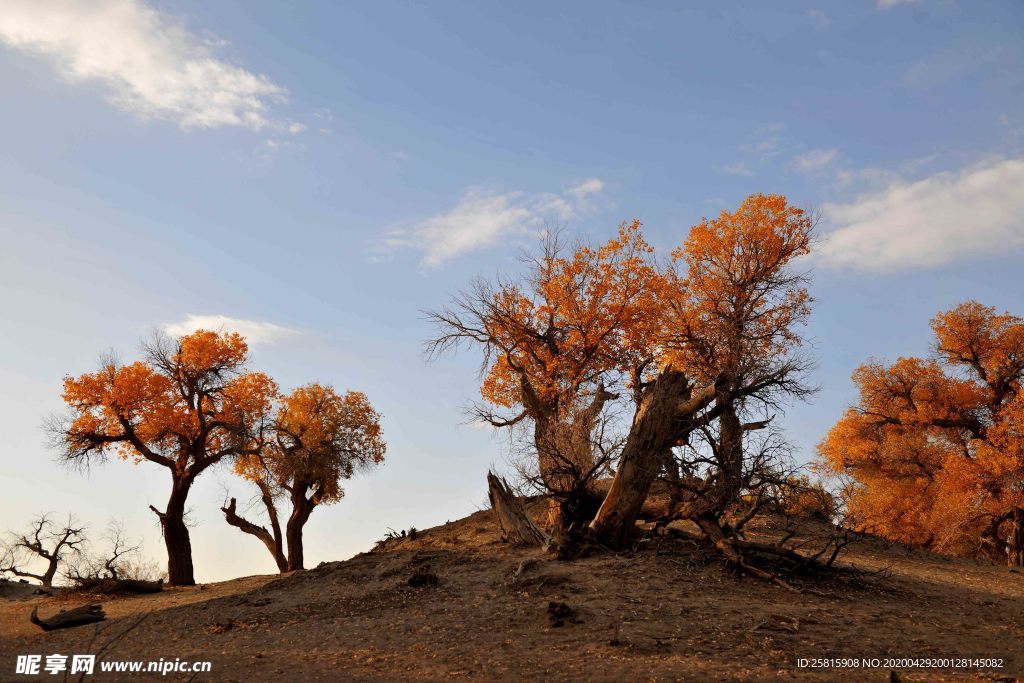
(742, 554)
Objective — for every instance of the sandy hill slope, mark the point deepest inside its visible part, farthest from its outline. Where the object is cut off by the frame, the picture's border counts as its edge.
(668, 611)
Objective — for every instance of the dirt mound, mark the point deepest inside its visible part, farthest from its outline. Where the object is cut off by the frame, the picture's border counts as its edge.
(22, 590)
(456, 602)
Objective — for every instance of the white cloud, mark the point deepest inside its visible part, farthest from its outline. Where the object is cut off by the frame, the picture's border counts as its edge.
(767, 148)
(820, 18)
(586, 188)
(484, 218)
(739, 168)
(988, 62)
(254, 331)
(886, 4)
(945, 217)
(147, 63)
(815, 159)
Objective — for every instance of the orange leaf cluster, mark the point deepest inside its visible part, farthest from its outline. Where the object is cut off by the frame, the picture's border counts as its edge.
(726, 303)
(319, 438)
(190, 403)
(936, 446)
(579, 317)
(193, 403)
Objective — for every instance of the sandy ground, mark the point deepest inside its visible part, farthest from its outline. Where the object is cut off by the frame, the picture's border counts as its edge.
(667, 612)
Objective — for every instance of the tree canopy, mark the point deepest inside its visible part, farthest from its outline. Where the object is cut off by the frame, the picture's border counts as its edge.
(315, 440)
(688, 343)
(935, 446)
(190, 404)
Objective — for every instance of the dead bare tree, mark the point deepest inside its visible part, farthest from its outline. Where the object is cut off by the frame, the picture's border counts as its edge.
(109, 563)
(45, 541)
(513, 519)
(117, 568)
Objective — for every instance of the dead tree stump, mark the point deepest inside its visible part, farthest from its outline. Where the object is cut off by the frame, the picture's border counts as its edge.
(517, 526)
(79, 616)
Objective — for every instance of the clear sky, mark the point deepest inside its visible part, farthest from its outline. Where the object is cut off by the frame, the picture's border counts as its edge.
(314, 174)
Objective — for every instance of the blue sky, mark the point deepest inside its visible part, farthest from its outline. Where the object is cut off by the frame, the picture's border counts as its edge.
(315, 175)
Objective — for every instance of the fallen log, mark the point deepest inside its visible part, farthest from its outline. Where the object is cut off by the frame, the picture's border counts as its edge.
(79, 616)
(109, 586)
(519, 529)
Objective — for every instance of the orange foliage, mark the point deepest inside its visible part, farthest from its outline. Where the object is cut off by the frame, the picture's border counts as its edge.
(189, 405)
(319, 439)
(736, 305)
(580, 317)
(611, 309)
(935, 446)
(801, 497)
(716, 324)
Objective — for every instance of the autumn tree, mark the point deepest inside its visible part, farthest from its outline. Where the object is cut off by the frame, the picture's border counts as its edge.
(553, 342)
(316, 440)
(695, 345)
(935, 446)
(189, 405)
(46, 541)
(727, 343)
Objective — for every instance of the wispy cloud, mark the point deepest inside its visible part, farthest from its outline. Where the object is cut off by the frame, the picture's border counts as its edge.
(820, 19)
(944, 217)
(484, 218)
(740, 168)
(767, 148)
(762, 145)
(815, 159)
(981, 62)
(145, 61)
(886, 4)
(254, 331)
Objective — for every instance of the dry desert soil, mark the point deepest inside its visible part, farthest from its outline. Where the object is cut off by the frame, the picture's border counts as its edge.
(667, 611)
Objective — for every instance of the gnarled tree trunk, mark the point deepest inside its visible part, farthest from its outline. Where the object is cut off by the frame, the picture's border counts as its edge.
(302, 508)
(272, 541)
(564, 439)
(1015, 540)
(176, 536)
(519, 529)
(665, 407)
(727, 484)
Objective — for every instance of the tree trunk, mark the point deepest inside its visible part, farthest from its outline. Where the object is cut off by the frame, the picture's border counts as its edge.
(565, 447)
(658, 424)
(272, 542)
(519, 529)
(1015, 540)
(728, 480)
(564, 454)
(51, 571)
(302, 507)
(176, 536)
(569, 516)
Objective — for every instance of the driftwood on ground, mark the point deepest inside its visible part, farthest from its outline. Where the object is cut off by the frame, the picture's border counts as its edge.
(110, 586)
(519, 529)
(79, 616)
